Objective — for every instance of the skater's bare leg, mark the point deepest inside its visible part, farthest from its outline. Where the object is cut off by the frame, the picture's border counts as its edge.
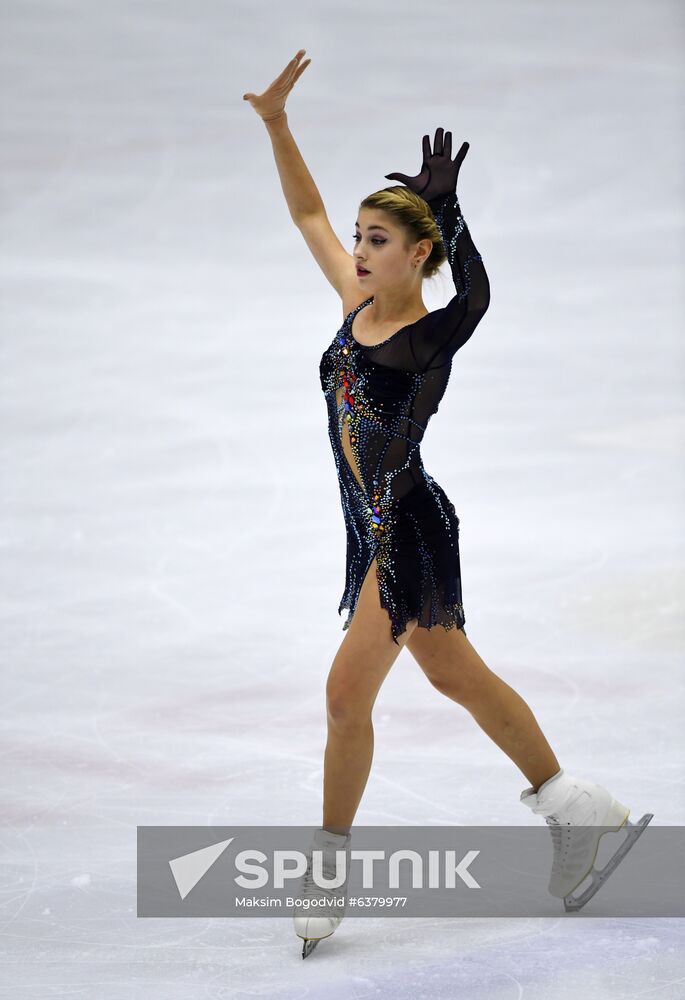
(454, 667)
(359, 668)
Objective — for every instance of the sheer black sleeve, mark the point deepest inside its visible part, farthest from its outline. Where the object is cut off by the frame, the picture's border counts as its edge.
(460, 317)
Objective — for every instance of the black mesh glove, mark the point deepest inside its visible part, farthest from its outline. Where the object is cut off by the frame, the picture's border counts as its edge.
(439, 173)
(438, 336)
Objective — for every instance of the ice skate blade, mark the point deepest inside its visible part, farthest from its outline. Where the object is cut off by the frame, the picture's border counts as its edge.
(573, 903)
(309, 944)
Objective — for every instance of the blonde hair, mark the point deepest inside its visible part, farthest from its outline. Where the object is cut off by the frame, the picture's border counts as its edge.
(414, 215)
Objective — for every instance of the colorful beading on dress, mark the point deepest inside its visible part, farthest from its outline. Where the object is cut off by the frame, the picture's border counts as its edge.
(379, 400)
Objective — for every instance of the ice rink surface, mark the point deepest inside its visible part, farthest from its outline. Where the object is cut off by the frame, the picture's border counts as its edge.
(172, 543)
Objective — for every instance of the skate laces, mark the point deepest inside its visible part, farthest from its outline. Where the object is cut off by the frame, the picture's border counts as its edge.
(328, 871)
(556, 830)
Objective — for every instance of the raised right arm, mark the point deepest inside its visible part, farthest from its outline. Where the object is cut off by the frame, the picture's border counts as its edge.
(308, 211)
(301, 194)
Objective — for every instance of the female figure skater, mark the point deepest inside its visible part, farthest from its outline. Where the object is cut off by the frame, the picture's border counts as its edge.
(383, 377)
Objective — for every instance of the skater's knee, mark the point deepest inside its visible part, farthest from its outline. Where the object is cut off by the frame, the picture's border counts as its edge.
(354, 681)
(347, 705)
(467, 683)
(349, 697)
(451, 664)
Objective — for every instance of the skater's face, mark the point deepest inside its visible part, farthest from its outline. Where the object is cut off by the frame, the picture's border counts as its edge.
(383, 248)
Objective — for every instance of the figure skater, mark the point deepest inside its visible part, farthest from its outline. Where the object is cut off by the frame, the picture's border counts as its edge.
(383, 377)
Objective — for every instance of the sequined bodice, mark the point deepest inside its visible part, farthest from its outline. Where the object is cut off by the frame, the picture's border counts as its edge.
(379, 413)
(380, 398)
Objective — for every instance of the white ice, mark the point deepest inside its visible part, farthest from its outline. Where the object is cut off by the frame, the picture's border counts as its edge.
(171, 535)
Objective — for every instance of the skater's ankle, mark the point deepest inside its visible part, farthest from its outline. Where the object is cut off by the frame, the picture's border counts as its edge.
(548, 779)
(341, 831)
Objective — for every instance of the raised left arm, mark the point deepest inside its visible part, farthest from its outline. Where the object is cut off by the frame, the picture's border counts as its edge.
(436, 183)
(465, 310)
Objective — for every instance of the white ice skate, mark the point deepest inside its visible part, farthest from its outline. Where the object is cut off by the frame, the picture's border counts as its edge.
(311, 924)
(579, 813)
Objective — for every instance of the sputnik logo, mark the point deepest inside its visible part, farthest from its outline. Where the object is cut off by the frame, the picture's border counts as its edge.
(188, 869)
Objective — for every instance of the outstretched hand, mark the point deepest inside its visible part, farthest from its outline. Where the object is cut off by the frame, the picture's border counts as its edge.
(439, 173)
(271, 104)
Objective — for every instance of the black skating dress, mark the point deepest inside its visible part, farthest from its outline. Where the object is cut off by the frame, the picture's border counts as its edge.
(379, 400)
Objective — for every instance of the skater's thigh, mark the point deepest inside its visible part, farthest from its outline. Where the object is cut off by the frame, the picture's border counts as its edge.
(449, 660)
(367, 652)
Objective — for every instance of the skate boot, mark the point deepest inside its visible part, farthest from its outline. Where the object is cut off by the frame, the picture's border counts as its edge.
(321, 921)
(579, 813)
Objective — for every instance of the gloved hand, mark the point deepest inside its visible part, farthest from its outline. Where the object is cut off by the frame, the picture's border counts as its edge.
(439, 173)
